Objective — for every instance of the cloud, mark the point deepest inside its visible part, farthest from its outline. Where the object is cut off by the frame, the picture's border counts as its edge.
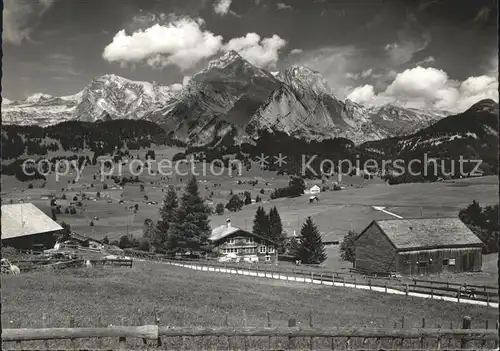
(262, 53)
(363, 74)
(362, 94)
(482, 15)
(183, 43)
(296, 51)
(430, 88)
(283, 6)
(426, 61)
(221, 7)
(412, 39)
(20, 17)
(61, 66)
(333, 62)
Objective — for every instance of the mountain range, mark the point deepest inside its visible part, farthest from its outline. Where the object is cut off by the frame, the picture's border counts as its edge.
(231, 98)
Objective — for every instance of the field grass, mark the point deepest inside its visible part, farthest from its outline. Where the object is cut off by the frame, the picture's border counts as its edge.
(193, 298)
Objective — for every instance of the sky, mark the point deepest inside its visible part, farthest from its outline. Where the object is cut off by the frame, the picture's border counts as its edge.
(429, 54)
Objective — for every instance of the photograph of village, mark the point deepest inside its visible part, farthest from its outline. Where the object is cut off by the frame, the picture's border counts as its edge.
(249, 175)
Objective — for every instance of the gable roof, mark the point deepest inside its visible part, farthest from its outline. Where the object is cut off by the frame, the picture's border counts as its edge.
(25, 219)
(426, 233)
(224, 231)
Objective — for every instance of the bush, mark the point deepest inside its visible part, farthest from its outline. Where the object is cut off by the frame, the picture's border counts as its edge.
(219, 209)
(235, 204)
(348, 247)
(30, 186)
(91, 223)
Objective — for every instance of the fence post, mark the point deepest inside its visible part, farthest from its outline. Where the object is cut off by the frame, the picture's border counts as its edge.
(458, 294)
(466, 324)
(354, 282)
(122, 341)
(99, 325)
(422, 340)
(44, 323)
(141, 323)
(496, 341)
(312, 277)
(406, 290)
(246, 326)
(343, 281)
(157, 323)
(269, 326)
(291, 324)
(311, 340)
(18, 343)
(438, 343)
(72, 325)
(385, 286)
(229, 340)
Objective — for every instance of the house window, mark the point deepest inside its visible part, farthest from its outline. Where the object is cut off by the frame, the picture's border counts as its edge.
(451, 262)
(225, 251)
(231, 241)
(446, 262)
(268, 258)
(249, 240)
(406, 262)
(270, 249)
(422, 263)
(262, 249)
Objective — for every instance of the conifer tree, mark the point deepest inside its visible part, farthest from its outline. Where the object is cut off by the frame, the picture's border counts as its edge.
(167, 213)
(311, 249)
(261, 223)
(276, 233)
(190, 228)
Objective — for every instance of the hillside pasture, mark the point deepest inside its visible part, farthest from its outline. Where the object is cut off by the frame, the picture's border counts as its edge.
(193, 298)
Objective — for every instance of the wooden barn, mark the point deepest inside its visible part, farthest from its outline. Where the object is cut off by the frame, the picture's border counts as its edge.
(234, 244)
(25, 226)
(418, 246)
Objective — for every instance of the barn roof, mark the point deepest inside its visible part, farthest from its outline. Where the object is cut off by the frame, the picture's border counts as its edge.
(224, 231)
(428, 233)
(25, 219)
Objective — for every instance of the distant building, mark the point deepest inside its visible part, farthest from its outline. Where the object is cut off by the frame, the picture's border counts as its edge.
(315, 190)
(235, 244)
(418, 246)
(25, 226)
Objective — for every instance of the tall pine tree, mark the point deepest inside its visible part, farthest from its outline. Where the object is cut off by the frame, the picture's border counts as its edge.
(261, 223)
(190, 229)
(167, 215)
(310, 246)
(276, 233)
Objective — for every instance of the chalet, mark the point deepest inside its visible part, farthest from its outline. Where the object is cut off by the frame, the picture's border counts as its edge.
(25, 226)
(315, 190)
(418, 246)
(233, 243)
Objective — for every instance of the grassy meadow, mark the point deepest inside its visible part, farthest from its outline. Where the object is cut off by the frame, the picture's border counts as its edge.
(193, 298)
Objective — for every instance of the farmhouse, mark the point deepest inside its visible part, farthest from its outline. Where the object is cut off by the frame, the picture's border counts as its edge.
(25, 226)
(233, 243)
(418, 246)
(315, 190)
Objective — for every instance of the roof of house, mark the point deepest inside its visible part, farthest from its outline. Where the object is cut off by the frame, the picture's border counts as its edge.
(426, 233)
(224, 231)
(25, 219)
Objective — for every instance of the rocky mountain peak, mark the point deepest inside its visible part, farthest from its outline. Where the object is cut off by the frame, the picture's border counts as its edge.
(304, 78)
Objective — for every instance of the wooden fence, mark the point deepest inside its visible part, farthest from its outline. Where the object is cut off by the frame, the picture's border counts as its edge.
(486, 294)
(261, 338)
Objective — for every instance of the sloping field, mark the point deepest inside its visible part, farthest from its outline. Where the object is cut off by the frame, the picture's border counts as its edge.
(203, 299)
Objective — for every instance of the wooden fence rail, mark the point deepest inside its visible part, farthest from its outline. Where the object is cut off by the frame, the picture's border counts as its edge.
(153, 332)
